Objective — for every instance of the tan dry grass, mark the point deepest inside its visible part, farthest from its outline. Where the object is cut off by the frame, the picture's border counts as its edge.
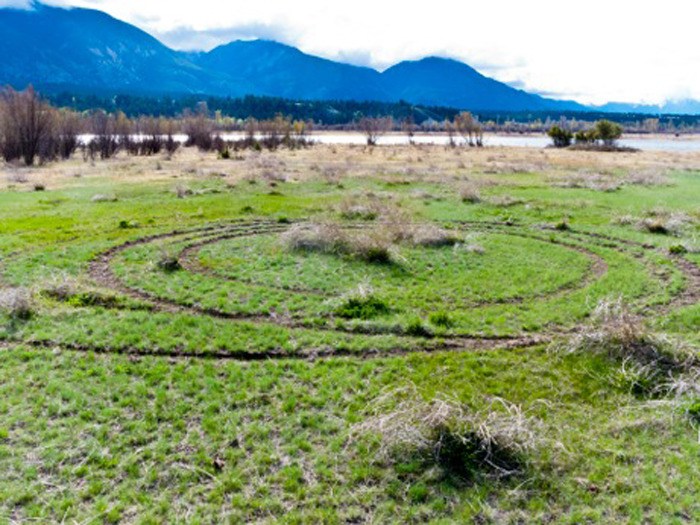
(334, 163)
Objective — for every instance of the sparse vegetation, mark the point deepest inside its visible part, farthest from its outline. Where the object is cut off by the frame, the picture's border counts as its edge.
(240, 352)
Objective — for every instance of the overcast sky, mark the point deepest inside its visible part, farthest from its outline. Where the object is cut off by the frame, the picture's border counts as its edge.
(592, 51)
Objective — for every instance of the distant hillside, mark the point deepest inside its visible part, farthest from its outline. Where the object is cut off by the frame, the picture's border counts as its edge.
(458, 85)
(48, 46)
(674, 107)
(89, 52)
(278, 70)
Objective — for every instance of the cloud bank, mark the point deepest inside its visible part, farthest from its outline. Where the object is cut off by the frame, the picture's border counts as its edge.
(595, 52)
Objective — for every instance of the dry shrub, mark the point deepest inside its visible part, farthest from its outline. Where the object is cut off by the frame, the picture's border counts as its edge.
(647, 178)
(17, 303)
(589, 181)
(469, 193)
(333, 175)
(182, 191)
(443, 432)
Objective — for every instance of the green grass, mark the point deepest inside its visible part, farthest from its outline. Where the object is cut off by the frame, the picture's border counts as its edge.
(109, 432)
(151, 440)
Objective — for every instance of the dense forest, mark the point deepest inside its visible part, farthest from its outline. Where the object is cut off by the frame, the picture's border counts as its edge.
(337, 114)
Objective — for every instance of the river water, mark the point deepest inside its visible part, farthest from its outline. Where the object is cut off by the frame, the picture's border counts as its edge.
(652, 143)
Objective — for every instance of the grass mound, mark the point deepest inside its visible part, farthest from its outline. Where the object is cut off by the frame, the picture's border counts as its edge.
(17, 303)
(371, 245)
(376, 244)
(464, 443)
(362, 304)
(649, 363)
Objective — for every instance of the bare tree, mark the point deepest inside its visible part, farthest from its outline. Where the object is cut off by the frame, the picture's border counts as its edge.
(68, 126)
(151, 130)
(26, 126)
(373, 128)
(199, 128)
(408, 126)
(450, 129)
(105, 140)
(469, 128)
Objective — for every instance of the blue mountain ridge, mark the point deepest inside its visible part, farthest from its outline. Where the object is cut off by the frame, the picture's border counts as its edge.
(88, 51)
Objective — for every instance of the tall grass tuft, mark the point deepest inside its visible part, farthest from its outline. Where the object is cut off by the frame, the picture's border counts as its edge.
(495, 440)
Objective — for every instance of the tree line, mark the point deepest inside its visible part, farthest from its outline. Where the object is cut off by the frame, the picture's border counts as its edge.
(31, 130)
(345, 114)
(604, 132)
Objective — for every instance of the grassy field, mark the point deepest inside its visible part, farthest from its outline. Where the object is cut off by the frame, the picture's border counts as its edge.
(351, 335)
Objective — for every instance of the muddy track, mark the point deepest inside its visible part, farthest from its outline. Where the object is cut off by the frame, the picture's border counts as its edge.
(598, 268)
(100, 270)
(310, 354)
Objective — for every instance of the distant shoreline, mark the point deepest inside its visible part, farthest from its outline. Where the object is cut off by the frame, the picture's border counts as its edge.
(635, 136)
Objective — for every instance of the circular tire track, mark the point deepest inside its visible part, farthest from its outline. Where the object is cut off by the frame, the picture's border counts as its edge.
(100, 270)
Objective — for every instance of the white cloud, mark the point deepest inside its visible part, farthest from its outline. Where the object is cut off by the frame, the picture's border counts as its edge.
(594, 51)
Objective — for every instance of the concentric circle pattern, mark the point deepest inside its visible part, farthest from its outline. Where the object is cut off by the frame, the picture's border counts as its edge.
(503, 285)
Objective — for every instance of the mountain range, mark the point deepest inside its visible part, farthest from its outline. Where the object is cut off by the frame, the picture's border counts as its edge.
(88, 51)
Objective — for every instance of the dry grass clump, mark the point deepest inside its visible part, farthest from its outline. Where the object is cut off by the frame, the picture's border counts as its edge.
(428, 235)
(505, 201)
(658, 221)
(607, 182)
(72, 291)
(589, 181)
(168, 262)
(366, 208)
(333, 175)
(378, 243)
(181, 191)
(17, 303)
(495, 440)
(315, 237)
(103, 197)
(18, 177)
(62, 287)
(649, 362)
(361, 303)
(261, 167)
(615, 330)
(470, 194)
(664, 222)
(368, 245)
(648, 177)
